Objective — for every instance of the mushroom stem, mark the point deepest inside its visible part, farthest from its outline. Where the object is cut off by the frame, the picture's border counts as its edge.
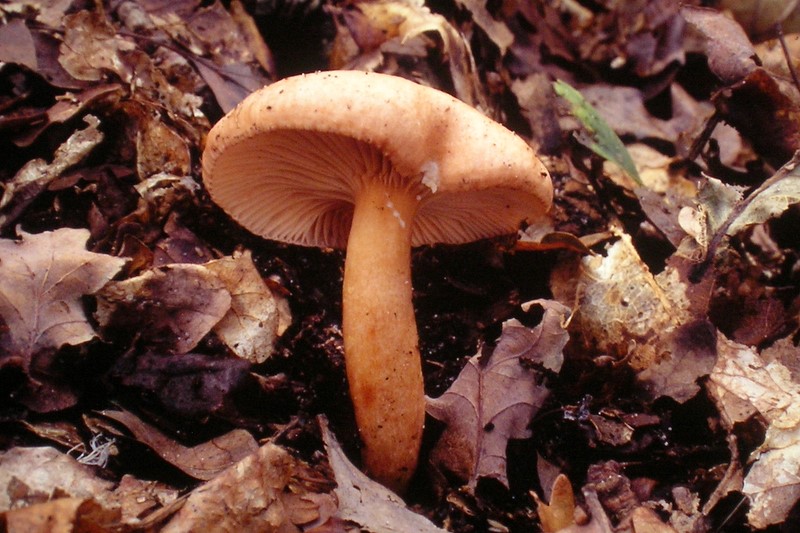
(380, 334)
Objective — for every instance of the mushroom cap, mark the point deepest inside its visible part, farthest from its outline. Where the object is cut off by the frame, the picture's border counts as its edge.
(288, 162)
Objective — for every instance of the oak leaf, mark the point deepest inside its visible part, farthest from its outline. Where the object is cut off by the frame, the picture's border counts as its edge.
(42, 280)
(493, 399)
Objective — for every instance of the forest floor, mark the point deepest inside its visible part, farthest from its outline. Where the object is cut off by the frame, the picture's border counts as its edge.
(628, 364)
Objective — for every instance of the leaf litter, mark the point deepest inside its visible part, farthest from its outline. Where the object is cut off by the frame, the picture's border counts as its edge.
(153, 332)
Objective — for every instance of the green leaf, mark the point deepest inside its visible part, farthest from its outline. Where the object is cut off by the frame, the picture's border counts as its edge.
(597, 135)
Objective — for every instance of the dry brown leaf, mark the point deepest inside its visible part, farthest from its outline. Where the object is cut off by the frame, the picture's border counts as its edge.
(172, 307)
(250, 327)
(494, 398)
(742, 384)
(16, 44)
(34, 475)
(37, 174)
(62, 515)
(137, 498)
(728, 49)
(368, 503)
(202, 461)
(561, 510)
(690, 353)
(42, 280)
(259, 493)
(92, 48)
(769, 202)
(374, 31)
(160, 149)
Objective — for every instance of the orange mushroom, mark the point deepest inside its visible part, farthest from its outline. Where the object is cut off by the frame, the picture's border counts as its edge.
(375, 164)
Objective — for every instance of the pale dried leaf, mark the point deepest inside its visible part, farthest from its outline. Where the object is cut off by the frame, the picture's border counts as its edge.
(743, 384)
(644, 520)
(33, 475)
(769, 202)
(368, 503)
(494, 400)
(690, 353)
(250, 327)
(42, 280)
(623, 309)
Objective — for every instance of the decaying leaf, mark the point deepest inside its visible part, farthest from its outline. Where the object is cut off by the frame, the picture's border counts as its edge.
(494, 398)
(367, 503)
(37, 174)
(254, 320)
(172, 307)
(42, 280)
(730, 53)
(690, 353)
(622, 308)
(262, 492)
(374, 30)
(35, 475)
(742, 384)
(771, 201)
(62, 515)
(203, 461)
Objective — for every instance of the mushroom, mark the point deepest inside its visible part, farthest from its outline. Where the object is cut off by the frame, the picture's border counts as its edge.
(376, 164)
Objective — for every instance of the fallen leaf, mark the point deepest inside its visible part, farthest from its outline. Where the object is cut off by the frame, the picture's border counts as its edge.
(190, 386)
(171, 307)
(691, 351)
(495, 397)
(497, 31)
(261, 492)
(35, 475)
(742, 384)
(644, 520)
(559, 513)
(728, 49)
(62, 515)
(92, 48)
(16, 44)
(37, 174)
(202, 461)
(42, 280)
(250, 327)
(368, 503)
(623, 309)
(769, 202)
